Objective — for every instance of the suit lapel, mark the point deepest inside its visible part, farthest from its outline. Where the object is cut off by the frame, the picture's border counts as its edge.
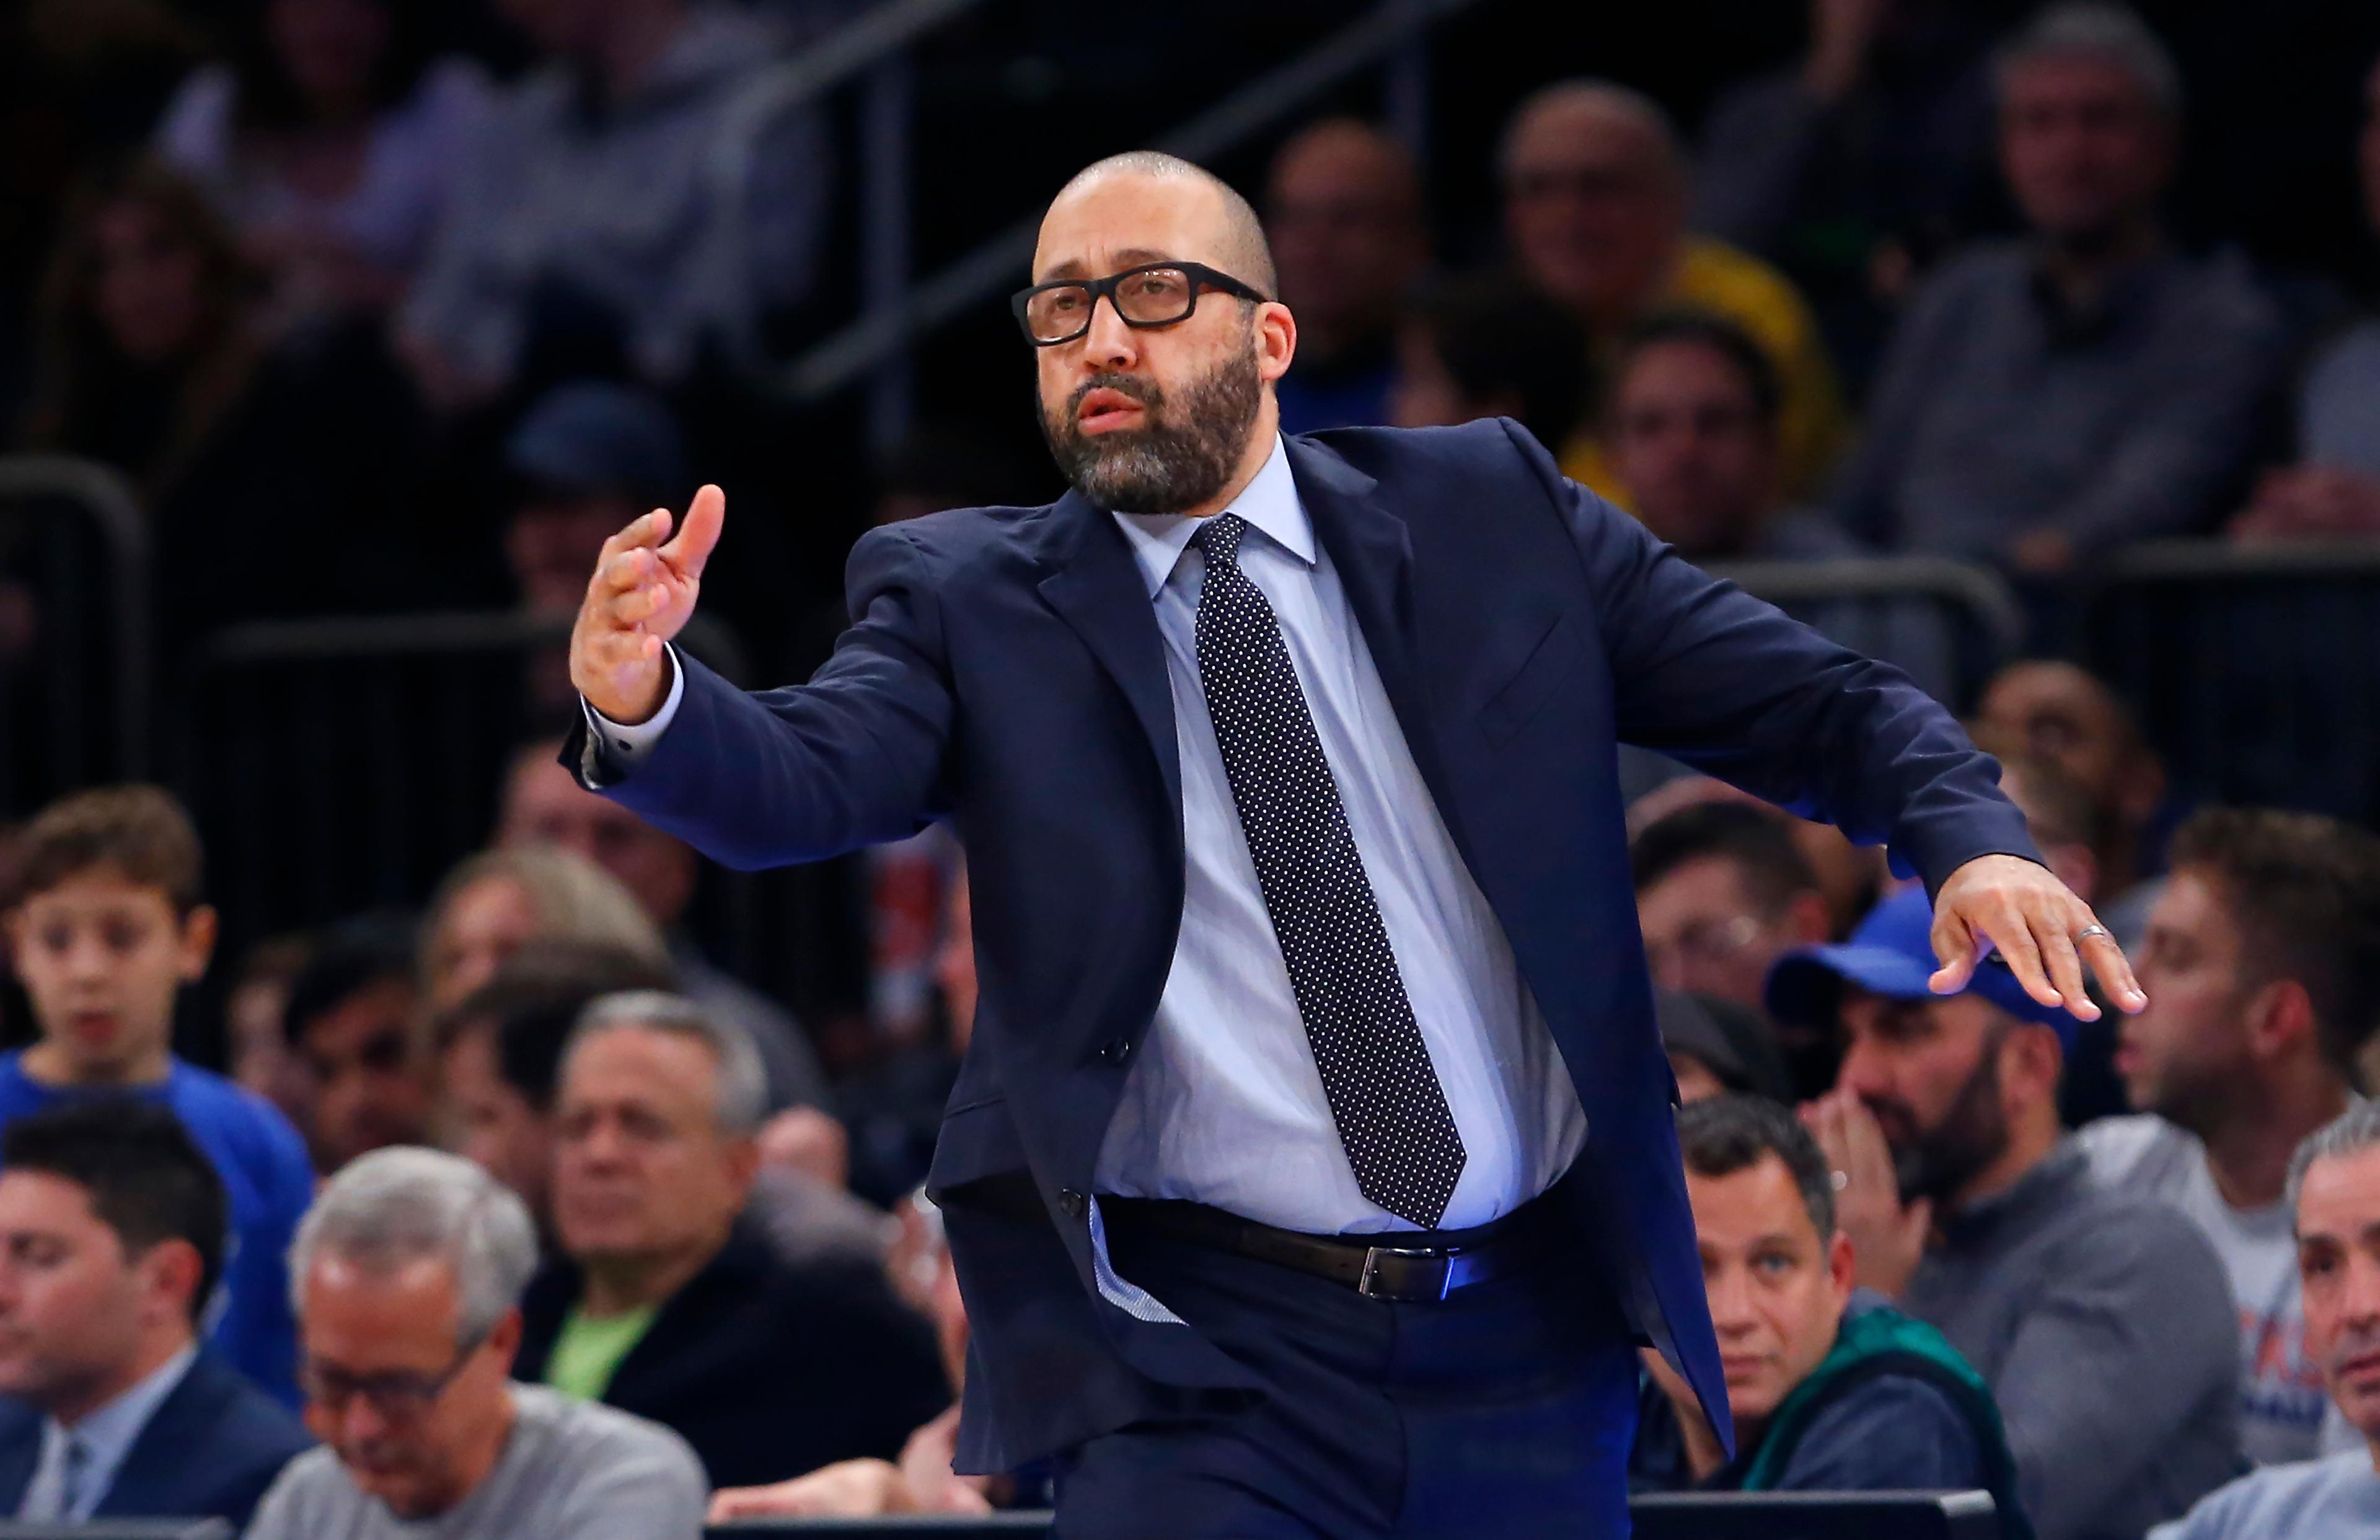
(1372, 549)
(20, 1451)
(1097, 588)
(148, 1480)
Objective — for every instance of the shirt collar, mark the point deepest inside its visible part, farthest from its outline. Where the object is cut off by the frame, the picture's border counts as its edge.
(1269, 504)
(109, 1433)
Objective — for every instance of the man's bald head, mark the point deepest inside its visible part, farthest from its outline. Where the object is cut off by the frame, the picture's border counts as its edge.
(1225, 219)
(1604, 111)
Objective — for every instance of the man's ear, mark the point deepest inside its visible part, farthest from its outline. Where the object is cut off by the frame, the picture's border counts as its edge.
(2279, 1015)
(1276, 335)
(1842, 1264)
(504, 1337)
(743, 1156)
(1806, 919)
(198, 942)
(172, 1271)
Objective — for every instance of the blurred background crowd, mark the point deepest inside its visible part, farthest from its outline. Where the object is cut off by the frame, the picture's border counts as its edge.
(2031, 346)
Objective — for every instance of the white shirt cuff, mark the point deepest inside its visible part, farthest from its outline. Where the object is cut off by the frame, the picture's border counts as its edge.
(617, 746)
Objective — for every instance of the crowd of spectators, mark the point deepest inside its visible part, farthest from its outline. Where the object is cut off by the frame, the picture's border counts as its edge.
(544, 1219)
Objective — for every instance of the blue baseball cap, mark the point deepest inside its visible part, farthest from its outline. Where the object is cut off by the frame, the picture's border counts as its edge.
(1891, 954)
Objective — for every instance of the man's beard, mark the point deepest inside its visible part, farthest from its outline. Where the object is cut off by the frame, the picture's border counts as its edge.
(1183, 453)
(1939, 1162)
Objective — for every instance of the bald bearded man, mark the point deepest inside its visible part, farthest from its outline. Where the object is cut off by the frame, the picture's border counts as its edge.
(1311, 1172)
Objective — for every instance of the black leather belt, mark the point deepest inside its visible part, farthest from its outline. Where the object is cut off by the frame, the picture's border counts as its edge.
(1430, 1265)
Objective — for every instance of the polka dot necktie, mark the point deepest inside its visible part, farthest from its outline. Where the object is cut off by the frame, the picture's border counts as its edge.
(1384, 1095)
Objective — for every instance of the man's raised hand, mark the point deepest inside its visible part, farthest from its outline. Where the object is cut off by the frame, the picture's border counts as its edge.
(642, 594)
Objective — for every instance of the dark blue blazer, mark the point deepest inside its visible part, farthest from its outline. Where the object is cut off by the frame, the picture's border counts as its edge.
(210, 1450)
(1004, 669)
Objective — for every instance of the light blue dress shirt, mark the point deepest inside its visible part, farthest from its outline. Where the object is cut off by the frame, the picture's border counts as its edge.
(1224, 1104)
(105, 1436)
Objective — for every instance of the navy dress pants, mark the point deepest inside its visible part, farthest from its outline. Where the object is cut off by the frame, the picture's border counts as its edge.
(1505, 1410)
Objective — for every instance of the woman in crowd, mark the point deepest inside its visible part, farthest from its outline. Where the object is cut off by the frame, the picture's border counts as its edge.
(328, 141)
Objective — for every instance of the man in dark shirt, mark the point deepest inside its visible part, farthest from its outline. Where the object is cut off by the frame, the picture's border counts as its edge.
(1831, 1388)
(670, 1302)
(2047, 399)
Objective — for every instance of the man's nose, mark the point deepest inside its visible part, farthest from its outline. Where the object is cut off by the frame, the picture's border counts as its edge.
(1864, 1071)
(2361, 1303)
(360, 1421)
(1109, 344)
(1729, 1302)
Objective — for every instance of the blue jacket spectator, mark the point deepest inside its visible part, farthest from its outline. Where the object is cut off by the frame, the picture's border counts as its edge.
(112, 1232)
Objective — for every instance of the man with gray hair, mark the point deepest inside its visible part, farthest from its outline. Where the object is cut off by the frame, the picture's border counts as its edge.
(2048, 398)
(407, 1275)
(2334, 1191)
(668, 1301)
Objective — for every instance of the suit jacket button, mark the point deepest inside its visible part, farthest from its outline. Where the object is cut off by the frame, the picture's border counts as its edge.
(1073, 1203)
(1117, 1051)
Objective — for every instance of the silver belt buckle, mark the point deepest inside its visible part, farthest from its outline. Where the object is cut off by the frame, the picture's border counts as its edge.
(1371, 1286)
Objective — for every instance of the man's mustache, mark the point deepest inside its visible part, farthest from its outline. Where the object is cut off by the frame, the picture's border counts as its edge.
(1146, 391)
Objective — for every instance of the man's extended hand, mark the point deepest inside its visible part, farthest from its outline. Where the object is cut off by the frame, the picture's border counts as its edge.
(642, 594)
(2037, 925)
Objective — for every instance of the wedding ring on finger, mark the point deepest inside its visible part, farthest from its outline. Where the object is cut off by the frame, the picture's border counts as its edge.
(1842, 1180)
(2089, 931)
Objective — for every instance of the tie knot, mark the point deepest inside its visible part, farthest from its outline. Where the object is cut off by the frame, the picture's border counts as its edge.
(1219, 537)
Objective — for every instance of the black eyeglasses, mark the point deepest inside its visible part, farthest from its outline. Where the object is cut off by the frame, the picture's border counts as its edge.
(398, 1396)
(1156, 294)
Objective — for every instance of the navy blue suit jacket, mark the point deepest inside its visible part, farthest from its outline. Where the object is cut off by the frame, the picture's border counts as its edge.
(210, 1450)
(1004, 669)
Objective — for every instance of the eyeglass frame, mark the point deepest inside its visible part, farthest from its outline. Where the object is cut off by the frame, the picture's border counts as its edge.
(417, 1393)
(1202, 278)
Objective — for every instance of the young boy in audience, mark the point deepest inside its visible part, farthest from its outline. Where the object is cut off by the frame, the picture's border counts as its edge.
(105, 927)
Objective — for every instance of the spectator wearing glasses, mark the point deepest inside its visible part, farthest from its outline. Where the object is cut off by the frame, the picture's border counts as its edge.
(112, 1226)
(1831, 1388)
(1596, 192)
(408, 1276)
(2334, 1200)
(2048, 398)
(1344, 211)
(1722, 893)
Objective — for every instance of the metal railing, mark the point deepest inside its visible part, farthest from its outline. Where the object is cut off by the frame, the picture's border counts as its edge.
(2256, 670)
(76, 707)
(1948, 624)
(342, 764)
(875, 46)
(1390, 38)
